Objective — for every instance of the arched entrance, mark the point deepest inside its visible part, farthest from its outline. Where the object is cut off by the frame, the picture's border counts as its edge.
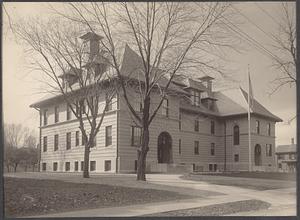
(164, 148)
(257, 155)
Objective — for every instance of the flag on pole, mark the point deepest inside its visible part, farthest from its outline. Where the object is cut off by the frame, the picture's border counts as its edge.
(250, 106)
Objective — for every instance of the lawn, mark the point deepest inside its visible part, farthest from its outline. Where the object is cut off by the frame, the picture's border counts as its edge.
(244, 180)
(218, 209)
(28, 197)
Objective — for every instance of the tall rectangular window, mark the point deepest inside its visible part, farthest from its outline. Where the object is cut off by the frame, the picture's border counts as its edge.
(82, 165)
(108, 135)
(269, 129)
(44, 166)
(107, 165)
(108, 102)
(68, 112)
(212, 149)
(67, 166)
(55, 166)
(82, 139)
(56, 114)
(76, 138)
(165, 107)
(56, 142)
(212, 127)
(196, 98)
(268, 150)
(76, 166)
(179, 120)
(92, 165)
(236, 158)
(136, 133)
(45, 116)
(196, 126)
(68, 141)
(179, 146)
(45, 144)
(94, 141)
(257, 125)
(196, 147)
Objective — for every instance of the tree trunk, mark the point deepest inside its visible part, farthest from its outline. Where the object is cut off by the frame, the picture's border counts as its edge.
(142, 152)
(86, 160)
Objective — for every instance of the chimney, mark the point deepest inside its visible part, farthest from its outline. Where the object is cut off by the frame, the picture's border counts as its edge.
(292, 141)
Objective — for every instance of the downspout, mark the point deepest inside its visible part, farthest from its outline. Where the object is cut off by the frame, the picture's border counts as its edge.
(118, 115)
(40, 140)
(225, 153)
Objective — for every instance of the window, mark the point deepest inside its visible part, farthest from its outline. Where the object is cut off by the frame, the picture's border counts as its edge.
(257, 127)
(92, 165)
(108, 102)
(280, 156)
(68, 140)
(165, 107)
(136, 134)
(56, 114)
(67, 166)
(236, 135)
(135, 165)
(195, 98)
(55, 166)
(44, 165)
(45, 144)
(212, 149)
(179, 147)
(56, 142)
(212, 127)
(108, 135)
(76, 166)
(196, 148)
(45, 116)
(210, 167)
(107, 165)
(236, 158)
(179, 121)
(268, 150)
(196, 125)
(76, 138)
(279, 166)
(82, 165)
(269, 129)
(82, 139)
(292, 156)
(68, 112)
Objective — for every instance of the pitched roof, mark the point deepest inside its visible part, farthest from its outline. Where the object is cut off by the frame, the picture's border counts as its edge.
(235, 102)
(286, 148)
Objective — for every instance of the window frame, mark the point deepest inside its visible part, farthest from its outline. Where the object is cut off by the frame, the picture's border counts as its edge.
(92, 165)
(67, 168)
(45, 116)
(133, 136)
(68, 140)
(269, 129)
(165, 107)
(45, 144)
(179, 147)
(56, 114)
(196, 125)
(77, 139)
(56, 142)
(236, 135)
(44, 166)
(76, 166)
(55, 166)
(236, 158)
(68, 113)
(257, 126)
(196, 147)
(106, 163)
(108, 139)
(212, 149)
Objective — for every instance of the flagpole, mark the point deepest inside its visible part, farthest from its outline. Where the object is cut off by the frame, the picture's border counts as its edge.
(249, 122)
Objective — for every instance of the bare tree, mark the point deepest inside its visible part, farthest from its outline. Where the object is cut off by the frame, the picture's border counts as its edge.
(68, 68)
(285, 58)
(170, 38)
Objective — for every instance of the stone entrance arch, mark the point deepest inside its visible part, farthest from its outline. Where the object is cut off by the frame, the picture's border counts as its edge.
(164, 148)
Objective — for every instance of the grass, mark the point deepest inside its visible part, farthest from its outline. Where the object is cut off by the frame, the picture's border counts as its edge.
(218, 209)
(29, 197)
(242, 180)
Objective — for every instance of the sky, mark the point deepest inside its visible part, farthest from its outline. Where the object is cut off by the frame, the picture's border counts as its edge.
(21, 88)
